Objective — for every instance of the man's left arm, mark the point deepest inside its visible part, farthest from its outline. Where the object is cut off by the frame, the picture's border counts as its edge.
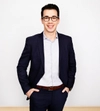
(72, 68)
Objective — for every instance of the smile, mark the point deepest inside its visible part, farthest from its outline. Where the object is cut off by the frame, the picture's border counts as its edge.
(50, 26)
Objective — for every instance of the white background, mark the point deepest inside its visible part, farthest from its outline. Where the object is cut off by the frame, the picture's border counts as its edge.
(79, 19)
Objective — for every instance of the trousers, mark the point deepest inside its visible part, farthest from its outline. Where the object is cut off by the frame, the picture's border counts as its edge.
(45, 100)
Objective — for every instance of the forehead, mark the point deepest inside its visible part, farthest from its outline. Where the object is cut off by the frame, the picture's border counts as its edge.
(49, 12)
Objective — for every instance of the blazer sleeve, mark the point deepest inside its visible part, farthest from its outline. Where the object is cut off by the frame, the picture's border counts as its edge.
(72, 66)
(22, 67)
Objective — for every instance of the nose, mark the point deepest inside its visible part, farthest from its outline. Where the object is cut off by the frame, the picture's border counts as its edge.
(50, 20)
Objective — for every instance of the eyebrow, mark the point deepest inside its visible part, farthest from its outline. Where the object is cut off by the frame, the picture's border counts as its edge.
(51, 16)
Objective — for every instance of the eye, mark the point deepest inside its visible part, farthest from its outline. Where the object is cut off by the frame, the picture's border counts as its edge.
(54, 17)
(46, 17)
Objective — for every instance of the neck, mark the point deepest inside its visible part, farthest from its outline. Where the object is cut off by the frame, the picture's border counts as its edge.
(50, 36)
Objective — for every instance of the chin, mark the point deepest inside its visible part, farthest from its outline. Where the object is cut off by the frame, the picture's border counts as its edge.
(51, 31)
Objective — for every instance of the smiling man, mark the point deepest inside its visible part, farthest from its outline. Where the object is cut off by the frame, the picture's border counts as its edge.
(52, 64)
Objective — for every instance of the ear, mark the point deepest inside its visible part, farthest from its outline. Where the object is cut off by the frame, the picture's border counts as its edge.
(42, 20)
(58, 20)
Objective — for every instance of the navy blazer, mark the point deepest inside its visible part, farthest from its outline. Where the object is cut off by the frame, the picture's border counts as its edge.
(33, 53)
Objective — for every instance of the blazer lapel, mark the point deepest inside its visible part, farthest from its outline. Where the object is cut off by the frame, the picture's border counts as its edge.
(41, 49)
(61, 50)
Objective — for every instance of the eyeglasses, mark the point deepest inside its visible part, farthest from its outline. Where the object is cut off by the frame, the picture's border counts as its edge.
(47, 18)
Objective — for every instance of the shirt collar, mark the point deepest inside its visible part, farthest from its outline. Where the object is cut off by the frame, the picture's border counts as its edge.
(44, 36)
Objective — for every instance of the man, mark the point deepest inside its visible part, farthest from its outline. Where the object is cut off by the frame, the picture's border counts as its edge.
(52, 65)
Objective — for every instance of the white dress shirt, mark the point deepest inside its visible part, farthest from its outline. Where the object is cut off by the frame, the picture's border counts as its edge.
(51, 55)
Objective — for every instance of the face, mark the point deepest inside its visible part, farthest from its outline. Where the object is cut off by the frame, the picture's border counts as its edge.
(50, 25)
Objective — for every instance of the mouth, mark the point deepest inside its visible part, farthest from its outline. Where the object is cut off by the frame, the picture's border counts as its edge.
(50, 26)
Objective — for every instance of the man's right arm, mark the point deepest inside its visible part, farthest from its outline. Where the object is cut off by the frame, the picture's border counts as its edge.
(22, 67)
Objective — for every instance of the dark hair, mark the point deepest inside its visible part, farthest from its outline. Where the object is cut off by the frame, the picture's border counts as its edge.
(50, 6)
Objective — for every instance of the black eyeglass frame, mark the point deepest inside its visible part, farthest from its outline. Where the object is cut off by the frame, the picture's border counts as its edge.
(53, 18)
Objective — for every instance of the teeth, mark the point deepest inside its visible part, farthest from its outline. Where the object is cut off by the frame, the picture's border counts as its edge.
(50, 26)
